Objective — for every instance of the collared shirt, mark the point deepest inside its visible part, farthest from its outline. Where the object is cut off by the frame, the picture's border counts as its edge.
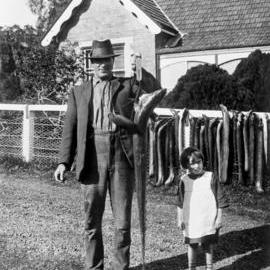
(102, 105)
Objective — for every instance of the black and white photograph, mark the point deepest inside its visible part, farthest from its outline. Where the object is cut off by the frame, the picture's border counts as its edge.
(134, 135)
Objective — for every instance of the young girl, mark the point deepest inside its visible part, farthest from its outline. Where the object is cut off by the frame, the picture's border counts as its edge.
(200, 207)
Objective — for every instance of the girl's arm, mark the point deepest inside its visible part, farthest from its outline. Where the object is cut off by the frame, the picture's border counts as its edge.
(218, 222)
(180, 221)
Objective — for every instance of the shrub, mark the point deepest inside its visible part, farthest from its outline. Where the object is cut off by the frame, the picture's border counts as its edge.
(253, 74)
(207, 86)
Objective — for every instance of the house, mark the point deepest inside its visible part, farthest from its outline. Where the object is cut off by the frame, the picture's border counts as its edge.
(171, 35)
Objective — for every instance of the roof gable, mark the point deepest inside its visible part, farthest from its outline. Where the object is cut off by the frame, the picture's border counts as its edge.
(207, 24)
(147, 12)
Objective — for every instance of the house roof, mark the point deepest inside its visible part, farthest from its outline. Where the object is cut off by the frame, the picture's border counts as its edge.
(217, 24)
(202, 24)
(152, 9)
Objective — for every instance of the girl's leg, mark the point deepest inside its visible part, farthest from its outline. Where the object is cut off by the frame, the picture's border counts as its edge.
(208, 251)
(192, 256)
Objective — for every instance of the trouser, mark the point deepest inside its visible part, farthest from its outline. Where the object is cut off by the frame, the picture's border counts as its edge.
(116, 175)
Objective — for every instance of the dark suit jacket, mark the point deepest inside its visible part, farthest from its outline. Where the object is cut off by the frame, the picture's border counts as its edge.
(77, 137)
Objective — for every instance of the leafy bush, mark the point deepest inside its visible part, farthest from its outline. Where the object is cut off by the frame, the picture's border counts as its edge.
(253, 74)
(47, 74)
(207, 86)
(32, 74)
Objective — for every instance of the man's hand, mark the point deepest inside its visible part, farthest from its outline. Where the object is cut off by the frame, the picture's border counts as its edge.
(180, 222)
(218, 223)
(59, 173)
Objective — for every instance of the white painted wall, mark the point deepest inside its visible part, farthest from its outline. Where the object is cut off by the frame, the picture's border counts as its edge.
(174, 66)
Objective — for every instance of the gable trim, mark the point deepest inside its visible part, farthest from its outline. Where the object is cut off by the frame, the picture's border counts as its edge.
(56, 28)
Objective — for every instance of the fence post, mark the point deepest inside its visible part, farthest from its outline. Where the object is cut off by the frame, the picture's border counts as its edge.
(28, 134)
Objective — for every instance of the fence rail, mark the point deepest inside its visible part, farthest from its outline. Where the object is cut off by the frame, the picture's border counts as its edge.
(31, 131)
(34, 131)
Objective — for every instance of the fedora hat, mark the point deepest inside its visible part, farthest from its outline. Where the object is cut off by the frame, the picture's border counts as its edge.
(102, 49)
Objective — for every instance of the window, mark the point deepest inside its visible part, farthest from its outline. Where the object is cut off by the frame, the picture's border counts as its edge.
(119, 64)
(230, 65)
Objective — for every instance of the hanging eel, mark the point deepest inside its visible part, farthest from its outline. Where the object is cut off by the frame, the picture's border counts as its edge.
(166, 151)
(158, 124)
(186, 130)
(197, 133)
(259, 157)
(192, 123)
(163, 140)
(239, 148)
(268, 144)
(211, 143)
(180, 139)
(160, 155)
(245, 140)
(225, 144)
(171, 176)
(181, 135)
(251, 147)
(218, 144)
(206, 142)
(234, 140)
(151, 144)
(214, 144)
(143, 107)
(176, 138)
(265, 134)
(202, 146)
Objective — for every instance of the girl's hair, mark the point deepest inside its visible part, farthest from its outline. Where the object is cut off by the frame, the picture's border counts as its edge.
(187, 153)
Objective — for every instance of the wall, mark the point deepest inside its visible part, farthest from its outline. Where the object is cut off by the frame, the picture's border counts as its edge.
(109, 19)
(174, 66)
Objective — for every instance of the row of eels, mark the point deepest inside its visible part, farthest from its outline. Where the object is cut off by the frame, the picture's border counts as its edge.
(235, 146)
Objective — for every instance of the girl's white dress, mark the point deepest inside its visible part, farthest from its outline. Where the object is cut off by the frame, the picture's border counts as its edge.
(199, 209)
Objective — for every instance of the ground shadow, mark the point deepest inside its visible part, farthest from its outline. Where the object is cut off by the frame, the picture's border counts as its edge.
(254, 242)
(173, 263)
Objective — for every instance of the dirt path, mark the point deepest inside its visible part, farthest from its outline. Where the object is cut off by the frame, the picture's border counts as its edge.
(41, 227)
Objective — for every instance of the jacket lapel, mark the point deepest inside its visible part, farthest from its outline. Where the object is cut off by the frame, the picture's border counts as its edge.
(115, 85)
(88, 89)
(115, 88)
(85, 106)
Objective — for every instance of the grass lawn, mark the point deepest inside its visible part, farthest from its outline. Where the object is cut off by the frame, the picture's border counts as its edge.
(41, 227)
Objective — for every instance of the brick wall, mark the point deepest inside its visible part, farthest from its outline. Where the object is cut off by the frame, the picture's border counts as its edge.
(109, 19)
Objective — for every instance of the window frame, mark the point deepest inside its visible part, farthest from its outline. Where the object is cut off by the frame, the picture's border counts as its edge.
(126, 44)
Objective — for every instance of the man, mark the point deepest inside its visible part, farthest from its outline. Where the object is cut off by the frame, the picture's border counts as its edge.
(103, 154)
